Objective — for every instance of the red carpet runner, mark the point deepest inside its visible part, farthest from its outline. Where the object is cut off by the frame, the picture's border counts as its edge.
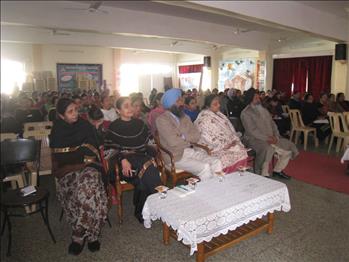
(320, 170)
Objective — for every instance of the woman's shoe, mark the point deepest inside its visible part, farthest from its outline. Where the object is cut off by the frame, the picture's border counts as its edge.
(94, 246)
(75, 248)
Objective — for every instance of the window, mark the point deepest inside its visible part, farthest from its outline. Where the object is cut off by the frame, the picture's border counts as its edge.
(12, 75)
(135, 76)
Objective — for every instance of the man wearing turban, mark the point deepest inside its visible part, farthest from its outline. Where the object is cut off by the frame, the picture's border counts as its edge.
(262, 135)
(177, 133)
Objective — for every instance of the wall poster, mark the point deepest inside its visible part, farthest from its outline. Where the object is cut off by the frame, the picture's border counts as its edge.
(68, 75)
(239, 74)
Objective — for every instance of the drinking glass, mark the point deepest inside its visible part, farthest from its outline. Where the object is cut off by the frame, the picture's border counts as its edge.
(220, 176)
(163, 194)
(242, 169)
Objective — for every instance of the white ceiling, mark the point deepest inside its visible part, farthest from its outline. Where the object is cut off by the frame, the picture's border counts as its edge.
(146, 25)
(338, 8)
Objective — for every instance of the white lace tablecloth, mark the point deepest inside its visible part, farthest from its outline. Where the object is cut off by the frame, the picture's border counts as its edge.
(217, 207)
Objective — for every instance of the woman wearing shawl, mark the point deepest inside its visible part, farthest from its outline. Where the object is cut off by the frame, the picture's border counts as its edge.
(76, 165)
(219, 134)
(130, 137)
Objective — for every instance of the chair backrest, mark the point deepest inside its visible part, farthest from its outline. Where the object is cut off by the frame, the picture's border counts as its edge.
(343, 123)
(337, 122)
(296, 118)
(5, 136)
(20, 151)
(42, 135)
(346, 118)
(34, 126)
(160, 158)
(286, 109)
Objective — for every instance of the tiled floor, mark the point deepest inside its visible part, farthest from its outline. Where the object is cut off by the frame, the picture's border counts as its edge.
(316, 229)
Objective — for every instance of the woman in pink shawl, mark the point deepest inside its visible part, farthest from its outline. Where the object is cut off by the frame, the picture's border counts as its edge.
(219, 135)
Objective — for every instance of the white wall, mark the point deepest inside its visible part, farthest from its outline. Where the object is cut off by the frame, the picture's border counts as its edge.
(53, 54)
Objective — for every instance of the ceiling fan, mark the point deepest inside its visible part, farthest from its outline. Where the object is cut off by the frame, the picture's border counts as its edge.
(93, 8)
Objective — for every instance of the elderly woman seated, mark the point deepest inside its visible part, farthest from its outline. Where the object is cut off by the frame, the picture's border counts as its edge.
(219, 134)
(130, 136)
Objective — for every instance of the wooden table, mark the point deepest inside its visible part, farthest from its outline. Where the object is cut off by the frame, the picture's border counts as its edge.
(218, 214)
(206, 249)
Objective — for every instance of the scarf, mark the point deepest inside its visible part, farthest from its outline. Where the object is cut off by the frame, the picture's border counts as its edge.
(64, 134)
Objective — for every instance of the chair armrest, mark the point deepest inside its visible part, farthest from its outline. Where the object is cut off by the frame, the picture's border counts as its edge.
(169, 153)
(208, 151)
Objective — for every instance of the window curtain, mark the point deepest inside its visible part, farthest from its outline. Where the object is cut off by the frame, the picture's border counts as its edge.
(317, 69)
(187, 69)
(300, 69)
(283, 74)
(319, 75)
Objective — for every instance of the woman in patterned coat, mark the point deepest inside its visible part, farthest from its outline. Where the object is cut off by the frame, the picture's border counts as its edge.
(219, 135)
(76, 165)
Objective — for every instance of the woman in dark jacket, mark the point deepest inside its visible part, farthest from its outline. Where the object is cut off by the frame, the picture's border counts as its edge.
(130, 137)
(76, 165)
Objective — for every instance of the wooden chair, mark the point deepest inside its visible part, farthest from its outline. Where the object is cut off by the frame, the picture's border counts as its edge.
(339, 129)
(298, 127)
(121, 186)
(171, 170)
(37, 126)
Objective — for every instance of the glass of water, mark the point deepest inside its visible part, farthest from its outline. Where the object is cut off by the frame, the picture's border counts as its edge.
(220, 176)
(242, 169)
(163, 194)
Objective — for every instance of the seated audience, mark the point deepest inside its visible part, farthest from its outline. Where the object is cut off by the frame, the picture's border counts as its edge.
(218, 134)
(275, 109)
(130, 136)
(234, 104)
(262, 135)
(109, 112)
(76, 165)
(157, 110)
(310, 113)
(137, 104)
(322, 105)
(177, 133)
(96, 99)
(295, 102)
(331, 103)
(9, 124)
(191, 108)
(152, 96)
(52, 108)
(27, 113)
(341, 104)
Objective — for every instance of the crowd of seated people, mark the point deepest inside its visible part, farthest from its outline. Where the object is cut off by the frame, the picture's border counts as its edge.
(182, 119)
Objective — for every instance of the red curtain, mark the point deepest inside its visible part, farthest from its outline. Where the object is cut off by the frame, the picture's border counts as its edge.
(319, 75)
(299, 74)
(190, 69)
(318, 69)
(283, 74)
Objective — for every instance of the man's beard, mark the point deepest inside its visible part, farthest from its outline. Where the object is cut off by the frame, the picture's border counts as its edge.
(177, 111)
